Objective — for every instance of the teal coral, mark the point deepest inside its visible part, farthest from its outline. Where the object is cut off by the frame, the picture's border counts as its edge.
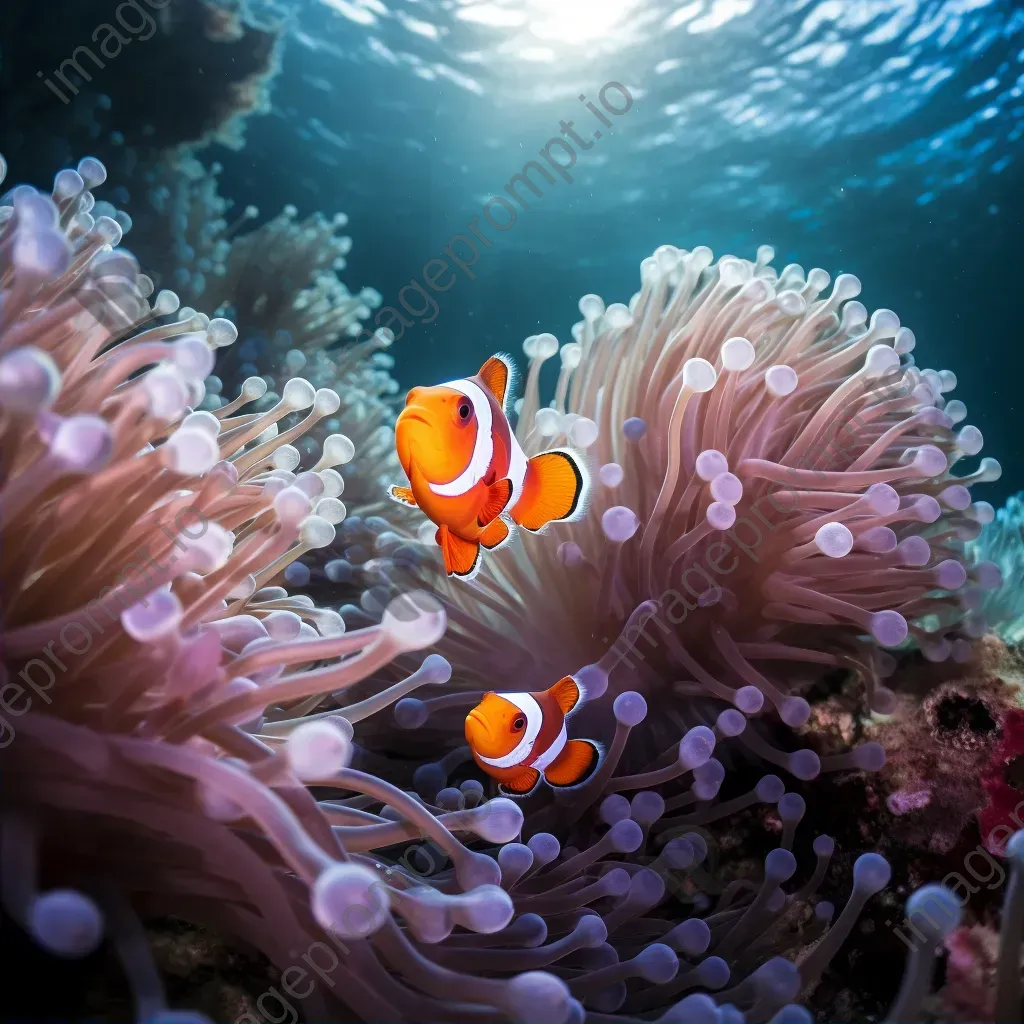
(1001, 542)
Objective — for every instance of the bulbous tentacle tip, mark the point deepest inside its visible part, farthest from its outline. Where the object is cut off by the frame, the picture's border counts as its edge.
(629, 708)
(804, 764)
(319, 749)
(625, 836)
(696, 747)
(1015, 848)
(657, 963)
(699, 375)
(537, 997)
(619, 523)
(795, 711)
(770, 789)
(647, 807)
(934, 911)
(779, 865)
(792, 807)
(824, 846)
(793, 1013)
(634, 429)
(889, 628)
(178, 1017)
(414, 620)
(695, 1009)
(499, 820)
(871, 873)
(731, 722)
(350, 901)
(66, 923)
(614, 807)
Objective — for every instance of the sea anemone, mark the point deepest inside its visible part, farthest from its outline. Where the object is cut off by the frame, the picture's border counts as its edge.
(772, 495)
(279, 284)
(151, 651)
(205, 742)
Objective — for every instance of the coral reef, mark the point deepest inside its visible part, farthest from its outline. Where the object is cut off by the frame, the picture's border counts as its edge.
(225, 753)
(947, 725)
(1002, 542)
(185, 72)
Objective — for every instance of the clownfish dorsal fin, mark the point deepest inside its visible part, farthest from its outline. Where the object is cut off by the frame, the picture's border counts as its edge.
(566, 693)
(498, 374)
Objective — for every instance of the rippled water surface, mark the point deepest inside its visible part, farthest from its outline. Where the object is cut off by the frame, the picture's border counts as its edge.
(881, 137)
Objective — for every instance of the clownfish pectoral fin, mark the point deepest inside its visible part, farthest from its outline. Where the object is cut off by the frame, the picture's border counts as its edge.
(403, 495)
(499, 374)
(567, 694)
(522, 783)
(572, 763)
(461, 557)
(497, 498)
(554, 488)
(495, 535)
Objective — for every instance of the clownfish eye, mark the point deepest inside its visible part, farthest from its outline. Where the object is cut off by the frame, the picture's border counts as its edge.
(518, 723)
(465, 411)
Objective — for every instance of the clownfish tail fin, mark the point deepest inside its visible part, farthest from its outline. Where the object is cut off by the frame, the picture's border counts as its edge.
(554, 489)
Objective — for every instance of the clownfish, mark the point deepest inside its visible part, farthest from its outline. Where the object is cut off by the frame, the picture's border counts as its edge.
(468, 473)
(518, 738)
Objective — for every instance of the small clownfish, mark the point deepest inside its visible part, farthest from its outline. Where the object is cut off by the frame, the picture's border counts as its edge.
(468, 473)
(518, 738)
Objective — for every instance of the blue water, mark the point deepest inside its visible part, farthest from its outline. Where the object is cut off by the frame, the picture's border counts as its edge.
(878, 137)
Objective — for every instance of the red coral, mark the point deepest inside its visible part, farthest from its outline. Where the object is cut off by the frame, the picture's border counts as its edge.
(1000, 817)
(968, 994)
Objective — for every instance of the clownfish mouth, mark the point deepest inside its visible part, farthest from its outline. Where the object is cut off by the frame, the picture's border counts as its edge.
(410, 413)
(480, 723)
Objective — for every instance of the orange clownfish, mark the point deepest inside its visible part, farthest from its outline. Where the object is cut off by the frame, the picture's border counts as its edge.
(517, 738)
(468, 473)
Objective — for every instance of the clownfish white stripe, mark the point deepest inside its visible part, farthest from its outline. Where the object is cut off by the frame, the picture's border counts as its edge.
(516, 472)
(483, 447)
(541, 762)
(534, 720)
